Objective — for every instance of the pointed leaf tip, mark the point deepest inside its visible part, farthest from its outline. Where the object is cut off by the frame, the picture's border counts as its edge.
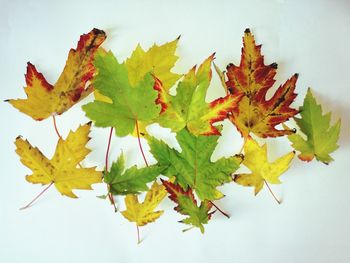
(274, 65)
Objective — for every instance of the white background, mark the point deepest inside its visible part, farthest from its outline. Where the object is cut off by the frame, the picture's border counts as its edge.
(307, 37)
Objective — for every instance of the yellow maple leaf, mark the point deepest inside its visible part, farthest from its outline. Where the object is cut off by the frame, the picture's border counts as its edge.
(255, 158)
(143, 213)
(158, 59)
(62, 169)
(43, 99)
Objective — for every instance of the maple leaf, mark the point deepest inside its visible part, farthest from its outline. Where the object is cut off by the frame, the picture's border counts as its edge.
(253, 78)
(321, 137)
(143, 213)
(62, 169)
(187, 205)
(159, 60)
(255, 159)
(43, 99)
(129, 104)
(189, 108)
(131, 180)
(193, 167)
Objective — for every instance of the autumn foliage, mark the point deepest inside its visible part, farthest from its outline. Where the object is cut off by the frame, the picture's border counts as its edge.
(133, 94)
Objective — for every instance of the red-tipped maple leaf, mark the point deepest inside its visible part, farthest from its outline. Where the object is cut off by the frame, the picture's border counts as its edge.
(187, 205)
(253, 78)
(188, 108)
(43, 99)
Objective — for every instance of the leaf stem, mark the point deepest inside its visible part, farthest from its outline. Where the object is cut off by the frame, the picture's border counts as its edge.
(187, 229)
(43, 191)
(138, 235)
(110, 195)
(268, 186)
(111, 199)
(242, 148)
(140, 145)
(55, 126)
(108, 148)
(218, 208)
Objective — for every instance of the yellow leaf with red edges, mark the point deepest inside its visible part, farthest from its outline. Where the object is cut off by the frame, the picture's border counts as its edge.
(253, 78)
(188, 108)
(255, 159)
(43, 99)
(62, 169)
(143, 213)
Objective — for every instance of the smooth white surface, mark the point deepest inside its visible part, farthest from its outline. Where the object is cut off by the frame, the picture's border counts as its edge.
(308, 37)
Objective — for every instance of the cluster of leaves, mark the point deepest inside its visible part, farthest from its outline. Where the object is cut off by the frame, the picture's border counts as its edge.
(133, 94)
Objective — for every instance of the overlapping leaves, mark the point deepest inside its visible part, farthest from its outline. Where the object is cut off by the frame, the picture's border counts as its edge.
(188, 107)
(193, 167)
(123, 181)
(133, 94)
(130, 104)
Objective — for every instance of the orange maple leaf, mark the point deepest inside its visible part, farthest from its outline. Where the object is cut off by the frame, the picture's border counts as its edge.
(253, 78)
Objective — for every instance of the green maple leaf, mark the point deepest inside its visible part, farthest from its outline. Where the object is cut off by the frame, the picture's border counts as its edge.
(129, 103)
(321, 137)
(188, 107)
(192, 166)
(187, 205)
(123, 181)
